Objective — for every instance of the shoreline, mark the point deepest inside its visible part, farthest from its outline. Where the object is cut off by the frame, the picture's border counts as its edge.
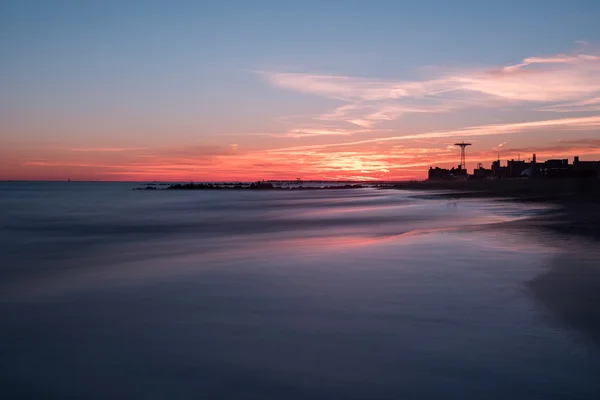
(245, 186)
(577, 201)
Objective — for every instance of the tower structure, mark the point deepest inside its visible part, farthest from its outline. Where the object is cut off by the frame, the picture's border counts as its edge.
(463, 146)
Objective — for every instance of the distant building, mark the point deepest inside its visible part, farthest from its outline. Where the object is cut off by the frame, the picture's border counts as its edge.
(586, 168)
(438, 173)
(558, 168)
(499, 171)
(482, 173)
(515, 168)
(553, 168)
(460, 172)
(556, 164)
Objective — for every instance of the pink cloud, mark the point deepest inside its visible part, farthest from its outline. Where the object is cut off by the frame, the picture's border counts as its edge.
(307, 132)
(560, 83)
(356, 160)
(590, 104)
(105, 149)
(481, 130)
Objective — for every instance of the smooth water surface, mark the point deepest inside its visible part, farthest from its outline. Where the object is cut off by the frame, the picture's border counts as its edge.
(110, 293)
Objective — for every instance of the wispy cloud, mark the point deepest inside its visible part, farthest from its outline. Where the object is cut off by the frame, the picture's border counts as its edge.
(560, 83)
(104, 149)
(339, 87)
(590, 104)
(368, 115)
(368, 102)
(69, 164)
(481, 130)
(535, 79)
(558, 59)
(540, 79)
(307, 132)
(499, 146)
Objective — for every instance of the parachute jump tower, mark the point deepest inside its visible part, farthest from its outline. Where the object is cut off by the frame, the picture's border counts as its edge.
(463, 146)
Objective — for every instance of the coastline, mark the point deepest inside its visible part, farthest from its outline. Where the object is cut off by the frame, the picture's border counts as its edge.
(244, 186)
(577, 201)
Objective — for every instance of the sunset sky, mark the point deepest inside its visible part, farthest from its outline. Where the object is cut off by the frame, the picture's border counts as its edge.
(246, 90)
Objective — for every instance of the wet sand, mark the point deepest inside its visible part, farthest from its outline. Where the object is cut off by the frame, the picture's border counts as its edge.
(570, 287)
(354, 294)
(577, 201)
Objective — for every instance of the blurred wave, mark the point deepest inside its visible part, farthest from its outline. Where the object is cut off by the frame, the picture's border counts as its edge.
(107, 292)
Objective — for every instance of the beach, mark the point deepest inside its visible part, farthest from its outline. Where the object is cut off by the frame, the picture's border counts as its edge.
(576, 201)
(108, 292)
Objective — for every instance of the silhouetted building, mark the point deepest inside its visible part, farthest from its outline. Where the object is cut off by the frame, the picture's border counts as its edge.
(519, 169)
(516, 168)
(556, 164)
(499, 171)
(482, 173)
(586, 168)
(553, 168)
(558, 168)
(438, 173)
(460, 172)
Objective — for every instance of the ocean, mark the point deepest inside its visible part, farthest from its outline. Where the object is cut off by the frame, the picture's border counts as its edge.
(111, 293)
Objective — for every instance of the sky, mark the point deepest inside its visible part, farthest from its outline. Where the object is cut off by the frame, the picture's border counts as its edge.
(247, 90)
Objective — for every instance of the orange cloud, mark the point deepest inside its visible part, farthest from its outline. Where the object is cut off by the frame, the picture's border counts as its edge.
(379, 162)
(105, 149)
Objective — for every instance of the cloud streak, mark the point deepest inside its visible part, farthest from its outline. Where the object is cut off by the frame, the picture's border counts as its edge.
(481, 130)
(559, 83)
(104, 149)
(355, 160)
(590, 104)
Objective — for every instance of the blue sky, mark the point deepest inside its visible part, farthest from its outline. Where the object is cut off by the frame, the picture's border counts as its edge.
(171, 75)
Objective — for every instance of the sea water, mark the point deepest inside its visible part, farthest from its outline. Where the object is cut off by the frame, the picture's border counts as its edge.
(111, 293)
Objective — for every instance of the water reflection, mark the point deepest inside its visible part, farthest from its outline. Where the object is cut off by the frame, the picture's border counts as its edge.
(570, 289)
(361, 294)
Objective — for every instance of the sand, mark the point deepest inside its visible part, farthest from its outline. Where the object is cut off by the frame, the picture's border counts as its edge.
(577, 200)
